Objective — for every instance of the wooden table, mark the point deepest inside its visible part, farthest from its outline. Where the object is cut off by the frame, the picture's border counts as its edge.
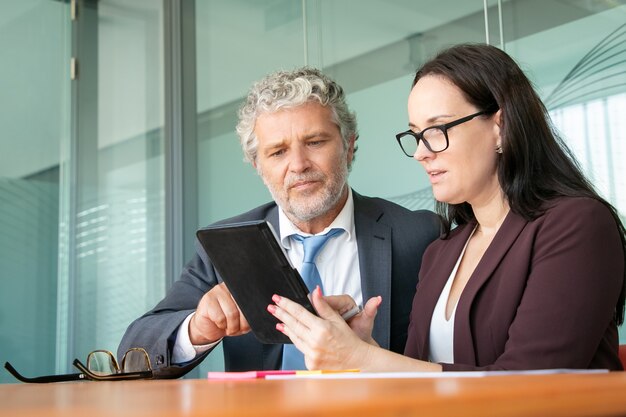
(515, 395)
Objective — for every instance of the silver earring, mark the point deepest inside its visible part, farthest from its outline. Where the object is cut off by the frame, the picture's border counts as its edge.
(499, 149)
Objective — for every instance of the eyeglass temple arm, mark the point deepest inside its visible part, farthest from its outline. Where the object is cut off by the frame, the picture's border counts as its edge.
(44, 379)
(125, 376)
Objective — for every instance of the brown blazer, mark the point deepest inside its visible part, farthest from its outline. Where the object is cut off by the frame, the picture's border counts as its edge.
(542, 296)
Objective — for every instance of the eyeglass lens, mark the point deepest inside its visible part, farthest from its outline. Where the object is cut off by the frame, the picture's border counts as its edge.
(434, 137)
(102, 362)
(136, 360)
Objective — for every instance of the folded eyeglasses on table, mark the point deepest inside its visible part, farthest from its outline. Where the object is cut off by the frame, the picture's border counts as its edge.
(101, 366)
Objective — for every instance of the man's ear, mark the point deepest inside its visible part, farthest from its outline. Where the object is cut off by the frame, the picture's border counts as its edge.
(351, 145)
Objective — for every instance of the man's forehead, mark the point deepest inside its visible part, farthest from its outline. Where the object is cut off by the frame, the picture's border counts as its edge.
(278, 140)
(296, 123)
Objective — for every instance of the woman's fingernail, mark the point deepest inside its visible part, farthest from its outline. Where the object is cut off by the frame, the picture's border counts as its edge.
(276, 298)
(280, 327)
(271, 308)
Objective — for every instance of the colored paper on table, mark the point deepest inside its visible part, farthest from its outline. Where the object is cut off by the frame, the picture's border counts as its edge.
(264, 374)
(246, 374)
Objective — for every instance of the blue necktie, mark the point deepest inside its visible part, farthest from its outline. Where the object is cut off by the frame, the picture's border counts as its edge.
(292, 357)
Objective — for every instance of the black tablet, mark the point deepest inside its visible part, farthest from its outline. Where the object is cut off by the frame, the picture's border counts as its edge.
(254, 267)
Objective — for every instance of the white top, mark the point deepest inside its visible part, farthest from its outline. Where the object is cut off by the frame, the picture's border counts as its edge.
(337, 263)
(441, 338)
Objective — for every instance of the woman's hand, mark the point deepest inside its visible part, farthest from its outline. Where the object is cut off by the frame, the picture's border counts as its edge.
(362, 323)
(327, 341)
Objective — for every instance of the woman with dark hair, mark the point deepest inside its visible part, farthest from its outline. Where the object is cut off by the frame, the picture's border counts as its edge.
(532, 277)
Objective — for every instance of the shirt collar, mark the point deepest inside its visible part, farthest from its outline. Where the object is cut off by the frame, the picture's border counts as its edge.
(344, 220)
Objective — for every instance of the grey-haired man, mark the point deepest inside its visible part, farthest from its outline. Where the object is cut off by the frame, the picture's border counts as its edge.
(298, 132)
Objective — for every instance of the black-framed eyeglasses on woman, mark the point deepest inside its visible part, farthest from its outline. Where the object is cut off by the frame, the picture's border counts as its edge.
(101, 366)
(434, 137)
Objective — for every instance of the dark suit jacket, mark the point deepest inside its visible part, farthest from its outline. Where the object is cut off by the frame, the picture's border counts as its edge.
(542, 296)
(390, 240)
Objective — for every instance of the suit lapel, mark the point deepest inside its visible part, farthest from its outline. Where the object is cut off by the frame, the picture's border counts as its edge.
(272, 218)
(374, 248)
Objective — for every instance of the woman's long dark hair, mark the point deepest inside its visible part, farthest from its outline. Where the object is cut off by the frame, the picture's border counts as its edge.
(535, 165)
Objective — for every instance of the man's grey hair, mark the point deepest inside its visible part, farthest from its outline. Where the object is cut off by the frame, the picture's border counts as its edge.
(288, 89)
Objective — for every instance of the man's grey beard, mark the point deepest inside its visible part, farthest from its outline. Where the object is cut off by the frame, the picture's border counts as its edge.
(305, 209)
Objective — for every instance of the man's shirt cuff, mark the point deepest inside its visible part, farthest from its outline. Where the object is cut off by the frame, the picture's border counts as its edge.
(183, 350)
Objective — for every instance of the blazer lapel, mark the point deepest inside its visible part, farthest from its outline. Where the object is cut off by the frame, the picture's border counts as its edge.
(374, 248)
(503, 240)
(431, 283)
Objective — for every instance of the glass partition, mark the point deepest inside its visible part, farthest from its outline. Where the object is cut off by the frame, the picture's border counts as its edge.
(114, 222)
(34, 115)
(81, 180)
